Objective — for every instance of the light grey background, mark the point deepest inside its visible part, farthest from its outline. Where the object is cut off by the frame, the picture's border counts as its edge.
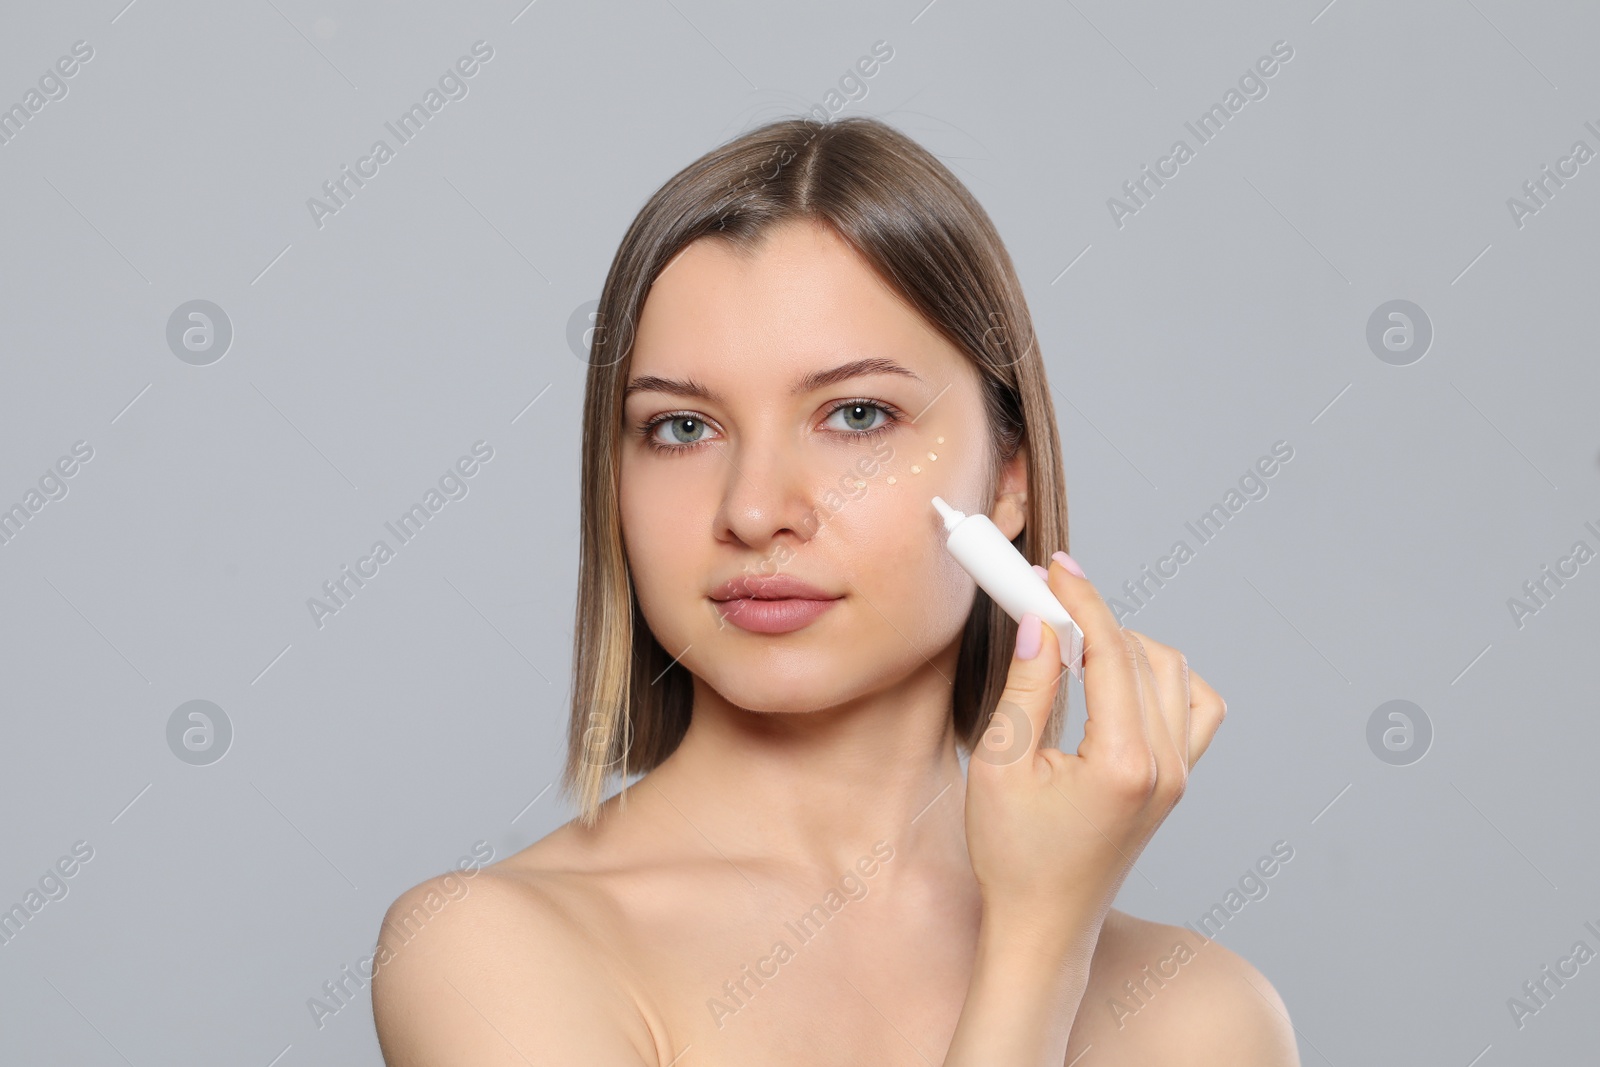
(369, 354)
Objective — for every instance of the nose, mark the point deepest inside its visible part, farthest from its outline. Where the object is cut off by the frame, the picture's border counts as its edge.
(769, 494)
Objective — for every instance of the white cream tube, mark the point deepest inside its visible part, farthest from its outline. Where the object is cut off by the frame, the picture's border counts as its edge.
(1009, 579)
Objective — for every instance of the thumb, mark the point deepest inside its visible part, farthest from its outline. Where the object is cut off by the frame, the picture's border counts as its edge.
(1019, 719)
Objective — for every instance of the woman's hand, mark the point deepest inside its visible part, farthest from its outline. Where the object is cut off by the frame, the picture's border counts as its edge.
(1052, 834)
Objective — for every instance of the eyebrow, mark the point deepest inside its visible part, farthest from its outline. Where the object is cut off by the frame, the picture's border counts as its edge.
(815, 380)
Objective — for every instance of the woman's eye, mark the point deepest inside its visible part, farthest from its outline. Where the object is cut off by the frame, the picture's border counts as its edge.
(859, 417)
(682, 430)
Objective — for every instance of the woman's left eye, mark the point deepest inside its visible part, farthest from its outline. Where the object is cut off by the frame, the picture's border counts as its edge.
(858, 416)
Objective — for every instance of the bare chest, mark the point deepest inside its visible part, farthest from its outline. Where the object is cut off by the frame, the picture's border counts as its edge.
(733, 972)
(786, 985)
(778, 979)
(810, 987)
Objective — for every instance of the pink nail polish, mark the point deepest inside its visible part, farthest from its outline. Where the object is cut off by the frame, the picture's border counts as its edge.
(1030, 636)
(1069, 563)
(1041, 572)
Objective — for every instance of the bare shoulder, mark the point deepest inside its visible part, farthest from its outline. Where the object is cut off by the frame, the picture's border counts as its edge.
(1160, 993)
(490, 969)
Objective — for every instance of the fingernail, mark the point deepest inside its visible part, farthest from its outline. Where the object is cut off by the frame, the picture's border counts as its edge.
(1041, 572)
(1030, 635)
(1069, 563)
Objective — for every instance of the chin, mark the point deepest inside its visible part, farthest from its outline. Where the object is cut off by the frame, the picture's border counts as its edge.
(790, 680)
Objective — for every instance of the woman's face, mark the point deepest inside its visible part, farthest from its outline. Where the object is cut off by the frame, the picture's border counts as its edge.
(767, 435)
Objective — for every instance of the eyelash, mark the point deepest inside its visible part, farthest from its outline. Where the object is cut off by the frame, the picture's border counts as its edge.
(648, 430)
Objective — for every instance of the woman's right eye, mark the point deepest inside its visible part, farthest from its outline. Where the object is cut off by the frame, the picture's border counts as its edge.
(676, 432)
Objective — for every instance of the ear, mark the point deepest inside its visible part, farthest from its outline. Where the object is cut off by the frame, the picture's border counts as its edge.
(1010, 510)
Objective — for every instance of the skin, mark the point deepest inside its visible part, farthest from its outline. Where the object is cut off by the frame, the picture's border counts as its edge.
(807, 749)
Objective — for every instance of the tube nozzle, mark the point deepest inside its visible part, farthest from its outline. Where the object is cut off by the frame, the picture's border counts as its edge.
(951, 516)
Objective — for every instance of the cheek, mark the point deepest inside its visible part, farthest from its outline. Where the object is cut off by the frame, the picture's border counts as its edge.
(884, 532)
(659, 515)
(894, 526)
(893, 548)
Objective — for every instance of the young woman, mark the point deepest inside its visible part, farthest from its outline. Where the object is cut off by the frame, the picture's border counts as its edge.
(805, 336)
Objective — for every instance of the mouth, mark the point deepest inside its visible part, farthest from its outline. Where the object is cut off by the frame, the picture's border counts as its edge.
(771, 604)
(773, 615)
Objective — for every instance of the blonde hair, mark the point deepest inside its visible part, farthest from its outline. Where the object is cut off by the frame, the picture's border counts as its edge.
(920, 229)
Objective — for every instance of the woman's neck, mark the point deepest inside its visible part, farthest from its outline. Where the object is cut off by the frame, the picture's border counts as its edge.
(816, 790)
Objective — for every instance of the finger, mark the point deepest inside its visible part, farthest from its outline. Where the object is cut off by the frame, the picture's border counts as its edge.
(1206, 711)
(1158, 753)
(1018, 721)
(1113, 719)
(1172, 679)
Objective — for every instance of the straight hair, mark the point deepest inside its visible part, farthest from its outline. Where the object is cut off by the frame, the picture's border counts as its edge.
(927, 237)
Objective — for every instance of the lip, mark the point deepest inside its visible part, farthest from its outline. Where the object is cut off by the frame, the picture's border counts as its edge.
(771, 603)
(768, 587)
(779, 616)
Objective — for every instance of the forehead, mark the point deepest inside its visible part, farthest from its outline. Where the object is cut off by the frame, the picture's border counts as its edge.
(802, 298)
